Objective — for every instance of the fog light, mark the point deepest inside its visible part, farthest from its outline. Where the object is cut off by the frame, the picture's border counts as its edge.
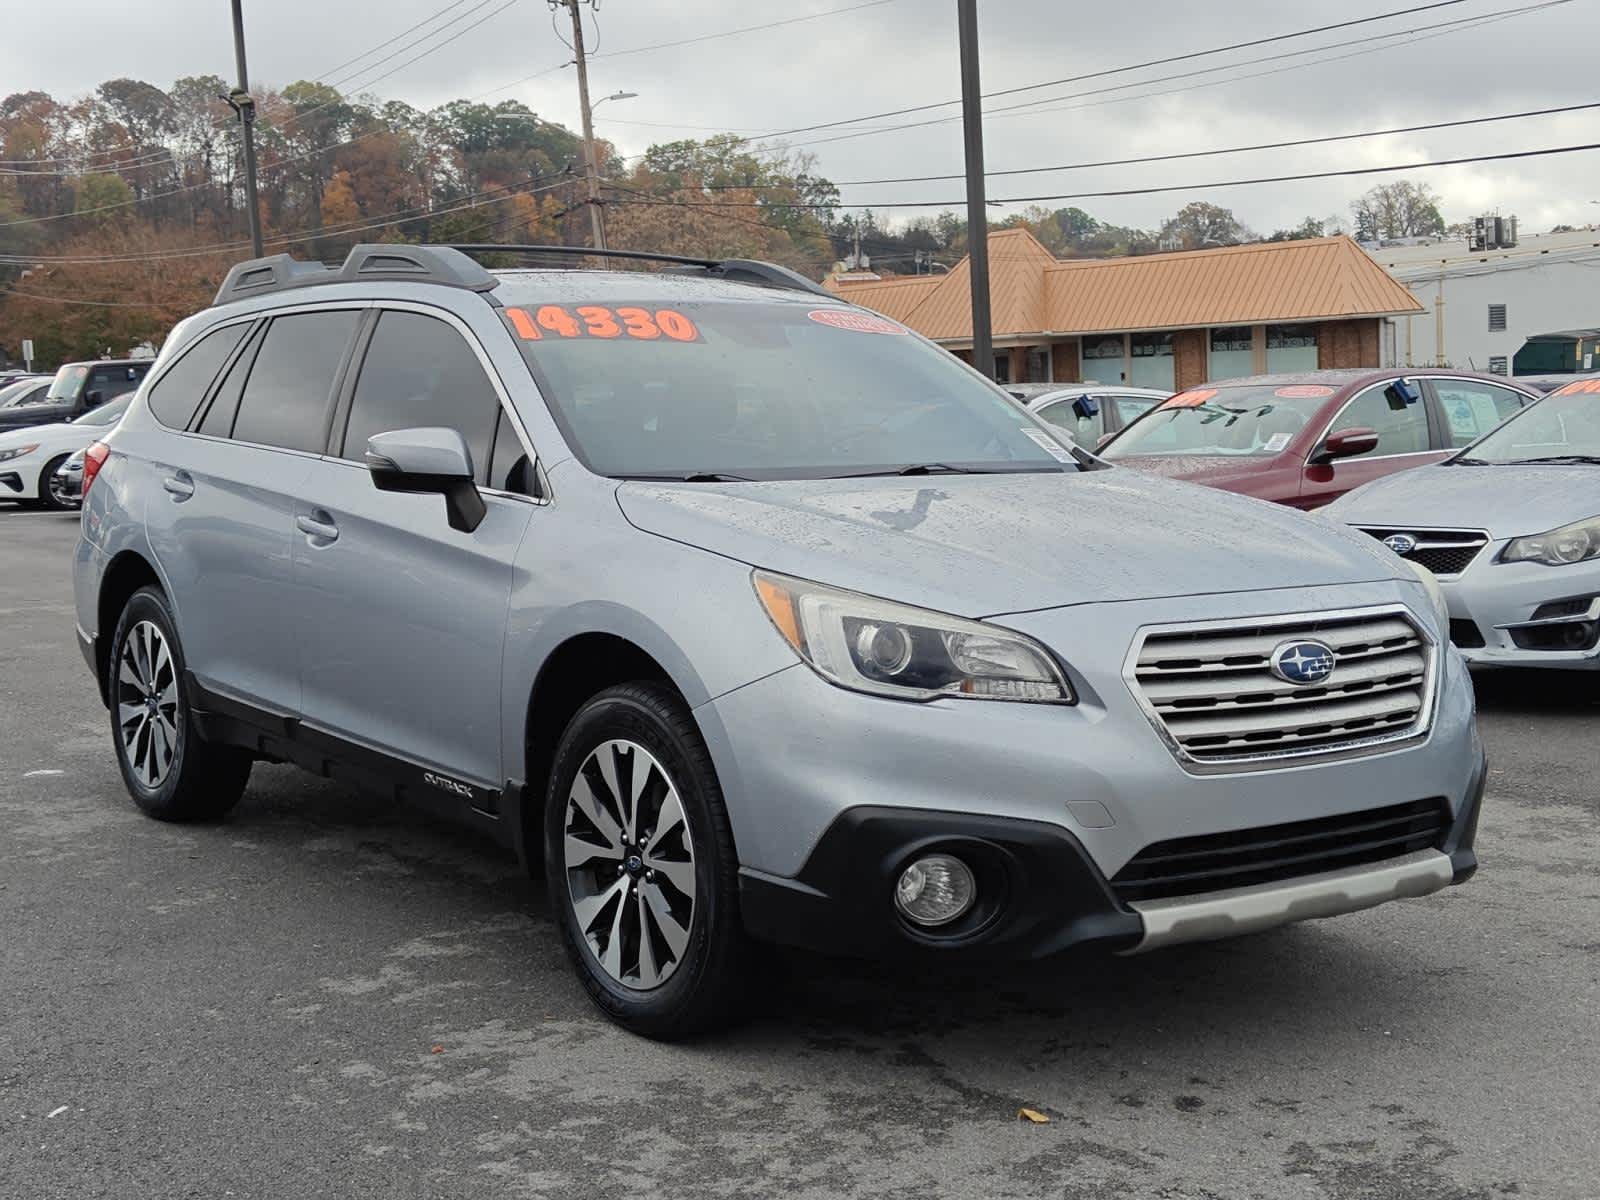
(935, 890)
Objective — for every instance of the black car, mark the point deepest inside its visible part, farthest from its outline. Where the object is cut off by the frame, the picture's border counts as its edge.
(76, 389)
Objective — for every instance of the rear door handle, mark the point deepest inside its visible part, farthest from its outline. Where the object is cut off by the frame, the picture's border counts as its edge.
(179, 485)
(319, 527)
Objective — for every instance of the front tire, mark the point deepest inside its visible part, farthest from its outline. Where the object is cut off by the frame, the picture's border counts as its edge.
(641, 867)
(171, 772)
(47, 491)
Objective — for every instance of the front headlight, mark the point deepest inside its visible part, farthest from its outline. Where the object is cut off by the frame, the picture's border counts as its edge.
(17, 452)
(1435, 594)
(1575, 543)
(871, 645)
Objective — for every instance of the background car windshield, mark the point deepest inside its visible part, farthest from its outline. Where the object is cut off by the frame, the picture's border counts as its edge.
(1555, 426)
(763, 390)
(66, 384)
(106, 414)
(1238, 421)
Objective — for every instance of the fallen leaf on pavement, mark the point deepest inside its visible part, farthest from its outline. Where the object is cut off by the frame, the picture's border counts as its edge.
(1034, 1115)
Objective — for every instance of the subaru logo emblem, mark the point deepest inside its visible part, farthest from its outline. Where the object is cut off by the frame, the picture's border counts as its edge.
(1401, 543)
(1303, 663)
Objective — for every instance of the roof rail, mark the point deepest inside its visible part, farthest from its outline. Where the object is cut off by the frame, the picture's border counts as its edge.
(421, 264)
(740, 270)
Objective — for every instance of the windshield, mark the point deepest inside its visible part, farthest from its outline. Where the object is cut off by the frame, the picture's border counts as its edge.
(1563, 425)
(106, 414)
(763, 390)
(66, 385)
(13, 392)
(1256, 420)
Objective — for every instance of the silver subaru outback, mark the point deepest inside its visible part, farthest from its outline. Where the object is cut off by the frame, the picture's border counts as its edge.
(746, 614)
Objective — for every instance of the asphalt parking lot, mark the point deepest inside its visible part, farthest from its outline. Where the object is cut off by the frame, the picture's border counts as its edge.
(326, 996)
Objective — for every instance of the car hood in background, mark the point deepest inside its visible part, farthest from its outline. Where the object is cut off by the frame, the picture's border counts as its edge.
(31, 433)
(981, 545)
(1213, 470)
(1506, 501)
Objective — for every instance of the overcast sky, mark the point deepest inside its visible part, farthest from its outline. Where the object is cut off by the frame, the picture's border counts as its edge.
(899, 53)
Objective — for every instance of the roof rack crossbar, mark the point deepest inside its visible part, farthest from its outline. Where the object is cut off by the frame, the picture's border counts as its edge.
(742, 270)
(419, 264)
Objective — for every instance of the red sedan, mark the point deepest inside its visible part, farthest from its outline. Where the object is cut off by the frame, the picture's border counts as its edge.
(1308, 439)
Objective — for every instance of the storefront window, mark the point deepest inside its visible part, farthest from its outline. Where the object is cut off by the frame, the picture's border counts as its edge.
(1232, 354)
(1038, 364)
(1002, 367)
(1291, 348)
(1102, 358)
(1152, 362)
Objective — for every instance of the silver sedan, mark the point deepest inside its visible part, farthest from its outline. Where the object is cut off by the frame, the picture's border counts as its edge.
(1511, 527)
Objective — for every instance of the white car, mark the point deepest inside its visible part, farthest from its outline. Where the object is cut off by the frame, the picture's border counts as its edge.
(30, 457)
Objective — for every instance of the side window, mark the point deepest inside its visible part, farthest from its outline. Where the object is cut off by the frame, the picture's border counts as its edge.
(218, 421)
(418, 371)
(1400, 431)
(1083, 430)
(1472, 409)
(509, 468)
(1131, 408)
(285, 400)
(175, 396)
(112, 382)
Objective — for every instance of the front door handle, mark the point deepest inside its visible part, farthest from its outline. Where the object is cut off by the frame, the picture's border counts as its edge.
(179, 485)
(317, 527)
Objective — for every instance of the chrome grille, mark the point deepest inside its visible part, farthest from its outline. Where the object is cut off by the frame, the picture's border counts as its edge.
(1210, 688)
(1442, 551)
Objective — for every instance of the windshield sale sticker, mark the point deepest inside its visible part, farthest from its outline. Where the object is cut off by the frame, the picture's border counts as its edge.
(1581, 385)
(604, 323)
(1047, 443)
(1192, 399)
(1304, 391)
(855, 322)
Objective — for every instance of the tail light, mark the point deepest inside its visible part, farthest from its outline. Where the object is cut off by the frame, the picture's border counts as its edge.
(93, 459)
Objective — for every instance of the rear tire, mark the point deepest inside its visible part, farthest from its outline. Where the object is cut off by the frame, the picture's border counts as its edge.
(47, 497)
(641, 867)
(171, 772)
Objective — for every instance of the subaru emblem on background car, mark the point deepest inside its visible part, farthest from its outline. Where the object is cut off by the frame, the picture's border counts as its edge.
(1302, 662)
(1401, 543)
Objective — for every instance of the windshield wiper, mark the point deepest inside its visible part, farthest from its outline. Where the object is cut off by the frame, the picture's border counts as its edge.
(690, 477)
(1556, 458)
(1469, 462)
(939, 468)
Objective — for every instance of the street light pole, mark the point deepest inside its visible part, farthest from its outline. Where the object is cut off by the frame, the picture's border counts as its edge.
(977, 209)
(590, 166)
(245, 106)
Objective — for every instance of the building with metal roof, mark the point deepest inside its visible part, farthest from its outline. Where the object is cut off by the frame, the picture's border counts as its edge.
(1163, 320)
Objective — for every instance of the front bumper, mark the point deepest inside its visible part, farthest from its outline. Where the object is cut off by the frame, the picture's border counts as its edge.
(1040, 893)
(1501, 601)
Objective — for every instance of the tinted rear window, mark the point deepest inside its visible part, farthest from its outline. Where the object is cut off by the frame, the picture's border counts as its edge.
(175, 396)
(286, 398)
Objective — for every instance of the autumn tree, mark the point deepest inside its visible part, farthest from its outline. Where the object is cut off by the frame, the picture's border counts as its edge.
(1398, 210)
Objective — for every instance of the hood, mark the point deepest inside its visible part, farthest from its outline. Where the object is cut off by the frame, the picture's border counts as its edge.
(31, 433)
(1214, 470)
(983, 545)
(1507, 501)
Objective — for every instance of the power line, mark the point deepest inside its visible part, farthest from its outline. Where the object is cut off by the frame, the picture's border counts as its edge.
(707, 37)
(385, 45)
(1033, 107)
(1155, 158)
(1181, 187)
(1167, 61)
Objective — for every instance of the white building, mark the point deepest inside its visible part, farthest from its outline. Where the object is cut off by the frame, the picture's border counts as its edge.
(1483, 305)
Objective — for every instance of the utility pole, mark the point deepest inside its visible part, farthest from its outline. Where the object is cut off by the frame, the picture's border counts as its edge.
(591, 166)
(242, 103)
(977, 208)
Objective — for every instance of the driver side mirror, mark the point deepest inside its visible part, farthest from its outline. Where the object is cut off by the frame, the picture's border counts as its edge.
(429, 460)
(91, 399)
(1347, 443)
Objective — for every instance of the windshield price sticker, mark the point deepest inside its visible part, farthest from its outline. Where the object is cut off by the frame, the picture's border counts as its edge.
(1304, 391)
(606, 324)
(855, 322)
(1580, 385)
(1190, 399)
(1048, 444)
(1276, 442)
